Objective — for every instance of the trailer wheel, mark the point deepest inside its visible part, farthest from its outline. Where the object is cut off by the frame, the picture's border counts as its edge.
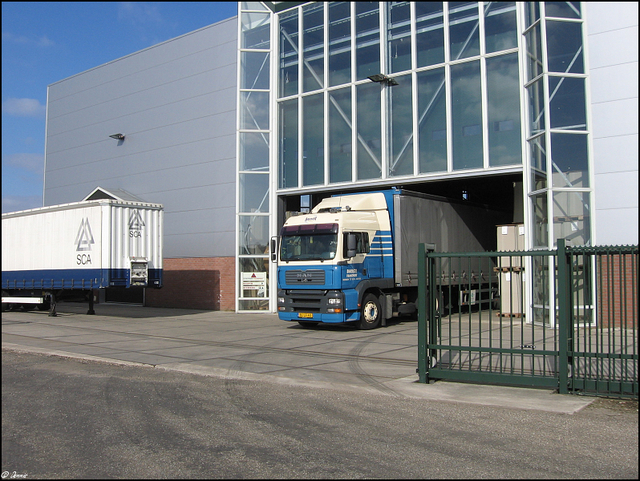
(44, 306)
(5, 305)
(371, 313)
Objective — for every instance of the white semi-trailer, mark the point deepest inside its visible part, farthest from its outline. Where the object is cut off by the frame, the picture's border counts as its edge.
(69, 249)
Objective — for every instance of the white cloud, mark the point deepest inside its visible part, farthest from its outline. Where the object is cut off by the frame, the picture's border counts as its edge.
(30, 162)
(23, 108)
(42, 41)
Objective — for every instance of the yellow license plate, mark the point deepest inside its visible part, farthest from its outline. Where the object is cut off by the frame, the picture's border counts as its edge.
(306, 315)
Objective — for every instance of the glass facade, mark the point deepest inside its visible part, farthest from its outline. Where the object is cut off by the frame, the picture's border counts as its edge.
(359, 93)
(557, 122)
(453, 105)
(559, 185)
(253, 157)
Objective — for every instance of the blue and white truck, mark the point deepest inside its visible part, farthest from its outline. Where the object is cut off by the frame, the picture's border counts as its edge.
(354, 257)
(69, 250)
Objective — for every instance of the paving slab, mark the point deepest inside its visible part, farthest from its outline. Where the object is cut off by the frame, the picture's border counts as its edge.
(260, 346)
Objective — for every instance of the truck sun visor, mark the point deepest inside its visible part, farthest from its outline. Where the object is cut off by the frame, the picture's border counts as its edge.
(307, 229)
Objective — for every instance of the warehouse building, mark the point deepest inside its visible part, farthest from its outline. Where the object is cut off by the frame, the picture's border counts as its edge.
(530, 107)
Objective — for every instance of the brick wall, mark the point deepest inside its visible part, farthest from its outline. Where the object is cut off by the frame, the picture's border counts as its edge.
(618, 290)
(196, 283)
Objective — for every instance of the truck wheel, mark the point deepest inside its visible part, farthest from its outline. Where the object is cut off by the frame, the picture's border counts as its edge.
(371, 313)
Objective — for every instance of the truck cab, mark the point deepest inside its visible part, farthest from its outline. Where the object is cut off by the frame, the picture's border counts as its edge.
(333, 258)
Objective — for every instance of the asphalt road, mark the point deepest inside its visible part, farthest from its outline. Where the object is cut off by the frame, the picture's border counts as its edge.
(68, 418)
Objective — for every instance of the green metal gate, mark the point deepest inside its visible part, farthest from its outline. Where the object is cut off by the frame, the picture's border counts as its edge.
(565, 319)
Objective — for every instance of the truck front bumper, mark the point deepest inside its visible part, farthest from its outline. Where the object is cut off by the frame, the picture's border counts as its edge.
(314, 305)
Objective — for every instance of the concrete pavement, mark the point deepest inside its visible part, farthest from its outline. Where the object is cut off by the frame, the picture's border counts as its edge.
(257, 346)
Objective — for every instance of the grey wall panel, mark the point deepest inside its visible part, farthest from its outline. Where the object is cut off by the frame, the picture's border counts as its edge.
(153, 171)
(196, 89)
(612, 48)
(617, 82)
(611, 16)
(187, 244)
(615, 118)
(176, 104)
(157, 128)
(616, 154)
(124, 98)
(191, 44)
(207, 196)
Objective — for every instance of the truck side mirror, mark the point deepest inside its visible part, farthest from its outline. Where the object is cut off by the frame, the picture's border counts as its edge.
(352, 244)
(274, 246)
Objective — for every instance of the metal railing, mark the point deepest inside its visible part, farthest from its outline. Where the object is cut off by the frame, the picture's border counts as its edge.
(565, 319)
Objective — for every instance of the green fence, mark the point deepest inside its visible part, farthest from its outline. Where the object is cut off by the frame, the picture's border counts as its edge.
(565, 319)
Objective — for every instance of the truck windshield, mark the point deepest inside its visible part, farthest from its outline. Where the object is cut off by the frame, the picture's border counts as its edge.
(308, 247)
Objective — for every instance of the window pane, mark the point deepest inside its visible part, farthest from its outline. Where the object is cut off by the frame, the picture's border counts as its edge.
(567, 103)
(432, 122)
(339, 43)
(503, 104)
(313, 140)
(399, 36)
(369, 128)
(255, 70)
(541, 226)
(466, 115)
(313, 66)
(563, 9)
(571, 217)
(255, 30)
(531, 13)
(538, 163)
(254, 234)
(564, 45)
(340, 135)
(429, 33)
(500, 26)
(401, 128)
(254, 151)
(288, 53)
(254, 193)
(463, 29)
(252, 6)
(569, 156)
(367, 39)
(536, 107)
(255, 110)
(534, 53)
(288, 168)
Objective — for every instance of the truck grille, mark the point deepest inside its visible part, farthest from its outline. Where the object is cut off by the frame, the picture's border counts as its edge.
(308, 277)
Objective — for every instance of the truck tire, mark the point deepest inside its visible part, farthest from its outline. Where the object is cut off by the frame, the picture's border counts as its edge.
(371, 312)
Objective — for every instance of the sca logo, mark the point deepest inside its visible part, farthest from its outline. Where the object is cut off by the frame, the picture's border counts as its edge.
(84, 241)
(135, 224)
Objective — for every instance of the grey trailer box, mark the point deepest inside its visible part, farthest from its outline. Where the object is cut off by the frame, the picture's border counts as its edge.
(449, 225)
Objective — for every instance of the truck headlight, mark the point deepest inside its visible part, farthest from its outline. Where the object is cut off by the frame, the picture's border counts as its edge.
(280, 300)
(335, 300)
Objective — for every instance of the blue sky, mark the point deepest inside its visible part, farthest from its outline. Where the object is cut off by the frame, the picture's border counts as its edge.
(44, 42)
